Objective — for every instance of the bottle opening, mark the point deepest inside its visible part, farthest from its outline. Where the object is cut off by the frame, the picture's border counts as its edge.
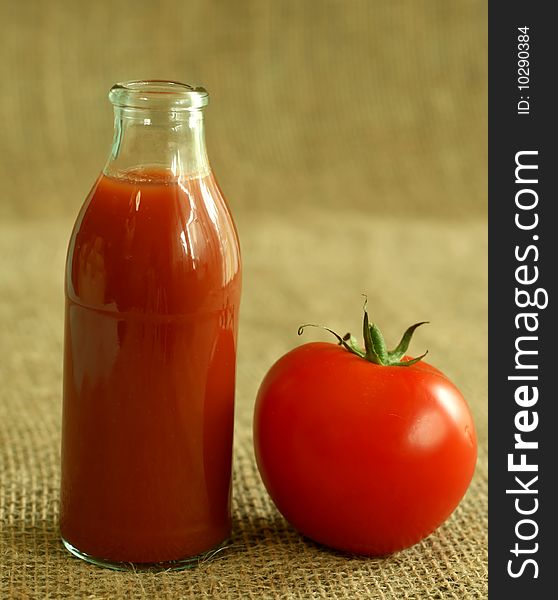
(158, 94)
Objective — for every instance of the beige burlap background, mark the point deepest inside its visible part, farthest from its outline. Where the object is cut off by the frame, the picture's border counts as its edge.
(350, 139)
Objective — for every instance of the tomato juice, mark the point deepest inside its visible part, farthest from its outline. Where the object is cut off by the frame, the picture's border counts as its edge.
(152, 295)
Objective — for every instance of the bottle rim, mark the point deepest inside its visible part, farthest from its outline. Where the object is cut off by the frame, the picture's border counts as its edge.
(162, 94)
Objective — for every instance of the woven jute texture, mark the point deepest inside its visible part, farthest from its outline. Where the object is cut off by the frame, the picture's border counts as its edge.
(350, 140)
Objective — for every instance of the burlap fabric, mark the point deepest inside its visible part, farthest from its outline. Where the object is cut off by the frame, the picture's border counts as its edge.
(349, 138)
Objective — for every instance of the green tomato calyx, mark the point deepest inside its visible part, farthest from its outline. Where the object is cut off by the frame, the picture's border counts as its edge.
(375, 349)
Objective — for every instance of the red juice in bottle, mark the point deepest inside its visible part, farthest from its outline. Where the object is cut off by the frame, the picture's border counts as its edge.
(152, 296)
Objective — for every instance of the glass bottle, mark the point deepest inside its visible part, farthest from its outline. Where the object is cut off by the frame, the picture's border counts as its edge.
(152, 288)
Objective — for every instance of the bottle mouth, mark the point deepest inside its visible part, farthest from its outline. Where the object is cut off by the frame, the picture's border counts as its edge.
(158, 94)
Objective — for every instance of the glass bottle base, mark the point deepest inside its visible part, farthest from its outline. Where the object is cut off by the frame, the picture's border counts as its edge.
(170, 565)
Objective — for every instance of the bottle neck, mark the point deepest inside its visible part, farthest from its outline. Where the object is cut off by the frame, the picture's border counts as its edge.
(153, 140)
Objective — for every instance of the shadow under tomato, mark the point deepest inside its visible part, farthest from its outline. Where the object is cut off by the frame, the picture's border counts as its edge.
(273, 533)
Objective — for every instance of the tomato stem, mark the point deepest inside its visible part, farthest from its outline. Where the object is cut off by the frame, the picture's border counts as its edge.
(342, 342)
(375, 349)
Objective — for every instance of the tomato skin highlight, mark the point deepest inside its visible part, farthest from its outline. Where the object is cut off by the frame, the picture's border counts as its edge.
(363, 458)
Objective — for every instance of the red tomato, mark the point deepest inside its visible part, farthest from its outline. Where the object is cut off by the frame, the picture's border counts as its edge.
(358, 456)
